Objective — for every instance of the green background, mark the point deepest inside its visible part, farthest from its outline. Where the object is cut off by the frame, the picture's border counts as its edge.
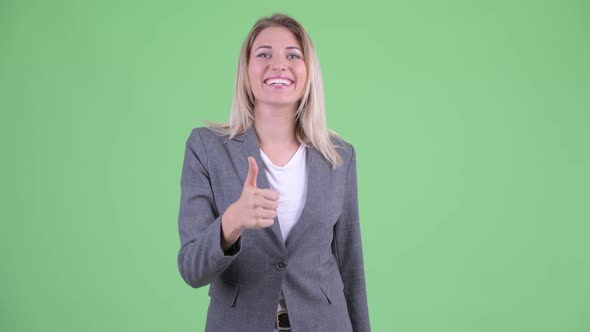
(470, 121)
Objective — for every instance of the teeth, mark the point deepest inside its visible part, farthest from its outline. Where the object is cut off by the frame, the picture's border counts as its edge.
(277, 81)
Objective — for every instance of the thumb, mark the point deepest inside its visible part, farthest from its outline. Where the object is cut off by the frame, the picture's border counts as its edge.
(252, 172)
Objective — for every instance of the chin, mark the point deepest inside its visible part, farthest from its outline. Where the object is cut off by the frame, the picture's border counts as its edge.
(278, 100)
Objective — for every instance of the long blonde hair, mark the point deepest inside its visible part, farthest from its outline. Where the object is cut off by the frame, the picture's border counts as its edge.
(311, 127)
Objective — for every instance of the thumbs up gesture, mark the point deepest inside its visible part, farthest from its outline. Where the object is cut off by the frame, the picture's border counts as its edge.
(256, 208)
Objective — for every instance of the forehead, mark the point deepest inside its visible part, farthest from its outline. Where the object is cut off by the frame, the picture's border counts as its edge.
(276, 37)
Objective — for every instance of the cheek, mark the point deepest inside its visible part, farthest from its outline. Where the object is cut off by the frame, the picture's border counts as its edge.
(253, 72)
(254, 76)
(302, 74)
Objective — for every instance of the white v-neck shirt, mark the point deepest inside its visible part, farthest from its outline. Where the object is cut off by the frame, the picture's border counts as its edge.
(290, 182)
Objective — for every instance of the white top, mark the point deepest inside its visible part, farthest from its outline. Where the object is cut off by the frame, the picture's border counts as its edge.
(290, 182)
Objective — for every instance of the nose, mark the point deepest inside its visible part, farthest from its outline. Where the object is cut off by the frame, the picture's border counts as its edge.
(278, 65)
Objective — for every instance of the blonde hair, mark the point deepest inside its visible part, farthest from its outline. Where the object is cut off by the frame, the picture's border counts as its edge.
(311, 127)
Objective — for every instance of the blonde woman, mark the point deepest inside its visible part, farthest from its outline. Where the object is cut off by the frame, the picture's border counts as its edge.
(268, 212)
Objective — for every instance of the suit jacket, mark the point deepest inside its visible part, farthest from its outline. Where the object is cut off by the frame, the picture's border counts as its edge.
(320, 266)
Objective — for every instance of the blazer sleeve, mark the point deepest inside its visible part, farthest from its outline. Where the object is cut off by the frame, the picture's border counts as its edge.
(200, 258)
(347, 249)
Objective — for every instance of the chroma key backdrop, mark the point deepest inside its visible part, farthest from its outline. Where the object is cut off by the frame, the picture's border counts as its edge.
(470, 120)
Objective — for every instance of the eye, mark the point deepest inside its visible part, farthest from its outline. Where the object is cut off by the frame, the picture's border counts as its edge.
(263, 55)
(293, 56)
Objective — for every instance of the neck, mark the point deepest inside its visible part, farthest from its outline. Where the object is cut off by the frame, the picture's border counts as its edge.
(275, 125)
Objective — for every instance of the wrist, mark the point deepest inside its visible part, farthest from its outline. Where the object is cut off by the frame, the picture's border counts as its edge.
(230, 231)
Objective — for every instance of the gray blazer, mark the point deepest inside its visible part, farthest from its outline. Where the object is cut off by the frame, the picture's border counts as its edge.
(320, 266)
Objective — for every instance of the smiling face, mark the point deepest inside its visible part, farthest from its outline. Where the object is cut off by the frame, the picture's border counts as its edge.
(276, 69)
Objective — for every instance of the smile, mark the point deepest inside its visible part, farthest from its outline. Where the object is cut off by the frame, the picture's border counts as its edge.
(278, 82)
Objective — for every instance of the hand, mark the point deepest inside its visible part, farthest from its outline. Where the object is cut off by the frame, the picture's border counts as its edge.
(256, 208)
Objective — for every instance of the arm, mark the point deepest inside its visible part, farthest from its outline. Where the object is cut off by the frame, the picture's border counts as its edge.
(201, 258)
(347, 249)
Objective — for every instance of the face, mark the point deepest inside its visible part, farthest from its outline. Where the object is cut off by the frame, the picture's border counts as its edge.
(276, 69)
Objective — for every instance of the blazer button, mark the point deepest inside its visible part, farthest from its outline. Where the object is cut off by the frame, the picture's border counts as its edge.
(281, 265)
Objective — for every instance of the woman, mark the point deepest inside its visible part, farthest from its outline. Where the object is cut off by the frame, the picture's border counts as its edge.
(281, 247)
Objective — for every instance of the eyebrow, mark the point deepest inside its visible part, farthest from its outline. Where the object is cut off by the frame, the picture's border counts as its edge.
(288, 47)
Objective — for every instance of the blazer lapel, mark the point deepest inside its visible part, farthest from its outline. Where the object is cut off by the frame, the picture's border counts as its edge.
(318, 188)
(241, 147)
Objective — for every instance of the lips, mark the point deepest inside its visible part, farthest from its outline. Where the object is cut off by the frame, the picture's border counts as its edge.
(278, 82)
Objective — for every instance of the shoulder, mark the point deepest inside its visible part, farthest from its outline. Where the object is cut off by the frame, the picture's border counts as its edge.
(344, 148)
(203, 142)
(206, 136)
(208, 133)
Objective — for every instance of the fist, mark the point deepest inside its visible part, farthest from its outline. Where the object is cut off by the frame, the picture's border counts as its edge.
(256, 208)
